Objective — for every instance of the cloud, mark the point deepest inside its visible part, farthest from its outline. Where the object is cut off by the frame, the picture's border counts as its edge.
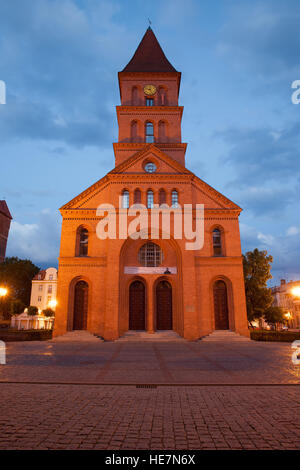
(284, 249)
(176, 12)
(291, 231)
(57, 60)
(38, 241)
(263, 201)
(264, 36)
(259, 157)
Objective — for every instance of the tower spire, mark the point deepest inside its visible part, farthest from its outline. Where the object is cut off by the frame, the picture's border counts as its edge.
(149, 56)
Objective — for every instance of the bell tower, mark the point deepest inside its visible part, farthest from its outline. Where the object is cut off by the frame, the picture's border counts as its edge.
(149, 112)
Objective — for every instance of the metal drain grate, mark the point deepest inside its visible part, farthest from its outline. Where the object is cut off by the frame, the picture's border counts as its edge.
(146, 386)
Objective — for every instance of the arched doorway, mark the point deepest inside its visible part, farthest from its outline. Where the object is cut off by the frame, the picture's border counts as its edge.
(81, 293)
(137, 306)
(221, 306)
(164, 306)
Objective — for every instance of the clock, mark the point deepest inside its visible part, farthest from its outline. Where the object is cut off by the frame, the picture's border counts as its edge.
(149, 90)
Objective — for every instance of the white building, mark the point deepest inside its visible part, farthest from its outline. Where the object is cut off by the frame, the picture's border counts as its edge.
(43, 290)
(287, 296)
(31, 322)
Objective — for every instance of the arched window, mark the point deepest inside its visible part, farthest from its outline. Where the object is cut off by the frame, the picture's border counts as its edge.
(162, 131)
(150, 255)
(174, 198)
(135, 96)
(217, 242)
(133, 131)
(150, 198)
(83, 242)
(149, 130)
(162, 96)
(125, 199)
(162, 198)
(137, 196)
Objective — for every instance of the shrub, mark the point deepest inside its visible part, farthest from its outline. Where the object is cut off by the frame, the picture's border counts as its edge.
(32, 310)
(25, 335)
(282, 336)
(48, 312)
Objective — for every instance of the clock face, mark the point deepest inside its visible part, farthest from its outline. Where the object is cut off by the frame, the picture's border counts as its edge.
(149, 90)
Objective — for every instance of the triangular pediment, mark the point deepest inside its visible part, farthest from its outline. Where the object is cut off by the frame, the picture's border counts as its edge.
(164, 163)
(167, 168)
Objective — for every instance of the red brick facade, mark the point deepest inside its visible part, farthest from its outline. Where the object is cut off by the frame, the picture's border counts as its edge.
(5, 220)
(103, 284)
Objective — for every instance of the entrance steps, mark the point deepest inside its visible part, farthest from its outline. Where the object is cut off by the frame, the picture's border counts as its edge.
(77, 336)
(224, 336)
(144, 336)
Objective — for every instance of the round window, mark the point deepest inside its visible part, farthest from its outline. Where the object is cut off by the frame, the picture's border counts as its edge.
(150, 255)
(150, 167)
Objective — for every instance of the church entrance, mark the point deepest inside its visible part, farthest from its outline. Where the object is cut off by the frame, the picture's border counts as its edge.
(80, 306)
(137, 306)
(221, 306)
(164, 306)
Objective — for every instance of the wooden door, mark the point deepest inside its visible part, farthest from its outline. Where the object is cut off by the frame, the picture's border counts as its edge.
(80, 306)
(137, 306)
(221, 306)
(164, 306)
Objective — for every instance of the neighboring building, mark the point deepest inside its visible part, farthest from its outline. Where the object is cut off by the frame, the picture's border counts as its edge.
(285, 298)
(43, 290)
(113, 285)
(5, 220)
(31, 322)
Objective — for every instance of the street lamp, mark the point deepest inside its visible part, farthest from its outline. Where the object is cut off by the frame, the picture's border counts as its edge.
(295, 291)
(3, 291)
(288, 315)
(52, 304)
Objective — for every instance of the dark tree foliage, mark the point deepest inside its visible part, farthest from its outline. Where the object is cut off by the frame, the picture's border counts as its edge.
(48, 312)
(257, 272)
(16, 307)
(274, 315)
(32, 310)
(16, 274)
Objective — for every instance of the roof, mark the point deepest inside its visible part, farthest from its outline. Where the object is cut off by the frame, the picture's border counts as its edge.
(4, 209)
(149, 56)
(40, 276)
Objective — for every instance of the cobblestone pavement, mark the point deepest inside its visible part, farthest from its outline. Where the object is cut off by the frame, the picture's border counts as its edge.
(167, 417)
(159, 363)
(77, 396)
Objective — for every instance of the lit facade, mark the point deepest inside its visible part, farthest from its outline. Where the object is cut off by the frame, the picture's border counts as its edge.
(5, 220)
(109, 286)
(284, 297)
(43, 289)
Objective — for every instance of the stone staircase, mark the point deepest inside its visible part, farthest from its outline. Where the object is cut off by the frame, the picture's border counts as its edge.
(144, 336)
(224, 336)
(77, 336)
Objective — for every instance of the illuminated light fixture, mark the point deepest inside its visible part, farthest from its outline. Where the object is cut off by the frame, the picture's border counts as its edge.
(296, 291)
(3, 291)
(52, 303)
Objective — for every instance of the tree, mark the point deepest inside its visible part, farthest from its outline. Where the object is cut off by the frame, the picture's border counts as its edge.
(32, 310)
(48, 312)
(17, 275)
(16, 307)
(274, 315)
(257, 267)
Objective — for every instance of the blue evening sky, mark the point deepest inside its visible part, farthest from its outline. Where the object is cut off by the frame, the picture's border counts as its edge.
(60, 58)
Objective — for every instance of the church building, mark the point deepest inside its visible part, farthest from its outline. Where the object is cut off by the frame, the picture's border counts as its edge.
(149, 281)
